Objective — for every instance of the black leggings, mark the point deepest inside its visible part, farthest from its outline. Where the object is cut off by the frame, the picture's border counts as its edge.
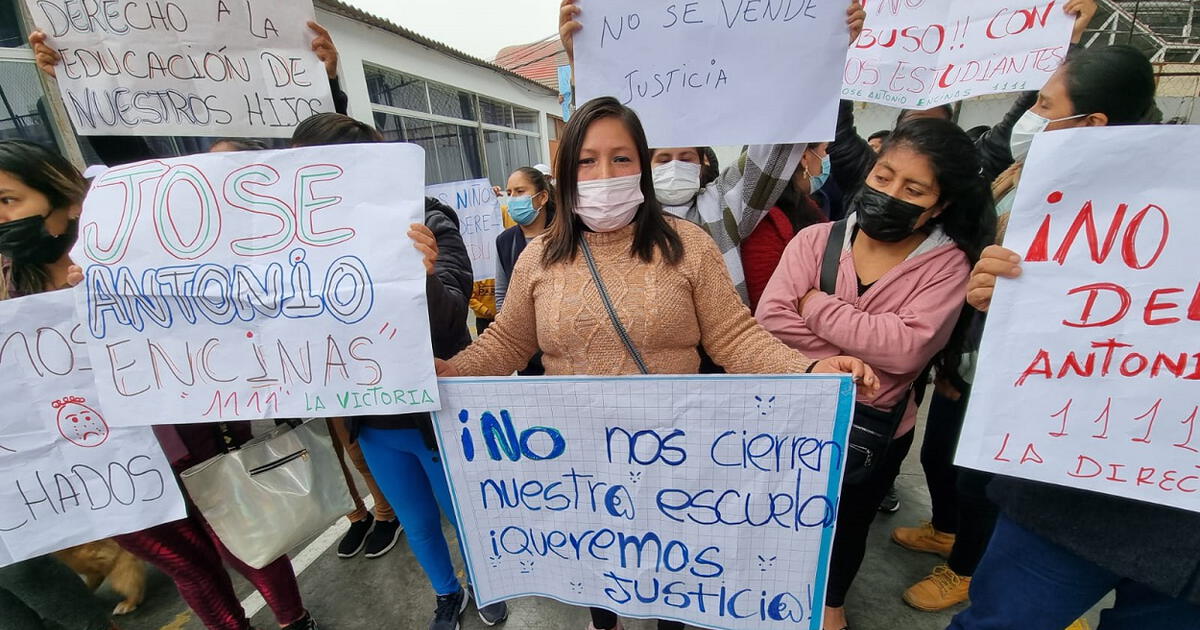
(856, 509)
(607, 620)
(959, 495)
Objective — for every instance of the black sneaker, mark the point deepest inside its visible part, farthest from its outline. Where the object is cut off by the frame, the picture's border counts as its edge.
(449, 610)
(356, 537)
(306, 623)
(383, 538)
(891, 502)
(493, 614)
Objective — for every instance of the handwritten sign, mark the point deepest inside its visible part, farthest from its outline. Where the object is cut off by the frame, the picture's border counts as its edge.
(66, 476)
(258, 285)
(919, 54)
(479, 220)
(707, 500)
(219, 68)
(1087, 372)
(685, 66)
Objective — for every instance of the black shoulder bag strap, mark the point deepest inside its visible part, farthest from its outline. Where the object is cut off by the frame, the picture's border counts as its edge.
(612, 312)
(833, 258)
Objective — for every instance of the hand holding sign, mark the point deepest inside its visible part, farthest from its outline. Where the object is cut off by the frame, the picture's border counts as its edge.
(323, 46)
(994, 262)
(1084, 11)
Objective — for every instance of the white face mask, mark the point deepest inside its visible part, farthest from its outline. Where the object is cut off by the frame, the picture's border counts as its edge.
(605, 205)
(1026, 128)
(676, 183)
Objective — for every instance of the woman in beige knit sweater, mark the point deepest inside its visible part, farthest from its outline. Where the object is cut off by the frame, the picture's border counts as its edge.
(666, 279)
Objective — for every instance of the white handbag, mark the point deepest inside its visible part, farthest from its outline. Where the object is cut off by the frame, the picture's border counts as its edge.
(275, 492)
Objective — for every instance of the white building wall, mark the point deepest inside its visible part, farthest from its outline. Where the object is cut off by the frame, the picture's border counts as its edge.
(358, 43)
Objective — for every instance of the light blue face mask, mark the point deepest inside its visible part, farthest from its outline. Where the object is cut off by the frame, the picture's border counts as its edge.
(521, 210)
(817, 181)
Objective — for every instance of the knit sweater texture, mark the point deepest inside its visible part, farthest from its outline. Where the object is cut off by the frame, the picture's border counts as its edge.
(668, 311)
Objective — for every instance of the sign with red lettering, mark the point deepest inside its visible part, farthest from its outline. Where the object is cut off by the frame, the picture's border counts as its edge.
(152, 67)
(266, 284)
(919, 54)
(1088, 368)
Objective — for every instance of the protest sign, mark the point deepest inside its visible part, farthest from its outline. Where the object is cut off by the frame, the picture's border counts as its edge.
(221, 68)
(479, 220)
(1088, 365)
(707, 500)
(66, 476)
(688, 67)
(919, 54)
(257, 285)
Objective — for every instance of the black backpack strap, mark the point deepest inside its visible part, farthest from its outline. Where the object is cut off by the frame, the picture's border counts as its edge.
(833, 257)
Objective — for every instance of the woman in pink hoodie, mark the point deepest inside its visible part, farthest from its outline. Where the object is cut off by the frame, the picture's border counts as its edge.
(918, 225)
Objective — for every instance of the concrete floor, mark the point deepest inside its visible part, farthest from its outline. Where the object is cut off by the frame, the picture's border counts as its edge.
(392, 593)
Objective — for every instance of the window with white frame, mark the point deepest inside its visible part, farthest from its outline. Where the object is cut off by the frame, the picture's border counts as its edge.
(465, 135)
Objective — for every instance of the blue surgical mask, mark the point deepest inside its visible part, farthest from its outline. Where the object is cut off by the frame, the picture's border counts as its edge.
(521, 210)
(817, 181)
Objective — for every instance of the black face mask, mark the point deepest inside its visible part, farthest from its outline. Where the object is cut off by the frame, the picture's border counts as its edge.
(27, 241)
(883, 217)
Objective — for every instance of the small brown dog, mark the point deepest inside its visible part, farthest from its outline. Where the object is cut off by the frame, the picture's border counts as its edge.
(102, 559)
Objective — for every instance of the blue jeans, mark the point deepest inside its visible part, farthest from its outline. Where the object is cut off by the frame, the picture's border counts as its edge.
(412, 479)
(1025, 581)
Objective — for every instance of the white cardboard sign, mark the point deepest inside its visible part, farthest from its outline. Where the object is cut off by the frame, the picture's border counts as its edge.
(1087, 372)
(185, 68)
(236, 286)
(707, 500)
(919, 54)
(716, 72)
(479, 220)
(66, 476)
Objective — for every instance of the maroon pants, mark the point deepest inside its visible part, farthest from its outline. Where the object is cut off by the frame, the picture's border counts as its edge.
(190, 553)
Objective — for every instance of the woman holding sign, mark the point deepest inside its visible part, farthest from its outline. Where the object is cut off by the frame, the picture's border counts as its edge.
(733, 204)
(38, 230)
(1057, 551)
(885, 284)
(40, 199)
(618, 287)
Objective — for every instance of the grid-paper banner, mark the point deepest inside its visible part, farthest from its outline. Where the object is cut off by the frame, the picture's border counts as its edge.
(707, 500)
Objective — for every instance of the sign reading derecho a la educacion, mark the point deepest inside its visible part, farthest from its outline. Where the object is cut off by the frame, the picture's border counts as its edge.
(708, 500)
(249, 285)
(214, 68)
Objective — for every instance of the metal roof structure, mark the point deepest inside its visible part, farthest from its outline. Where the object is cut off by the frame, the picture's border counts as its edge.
(1168, 31)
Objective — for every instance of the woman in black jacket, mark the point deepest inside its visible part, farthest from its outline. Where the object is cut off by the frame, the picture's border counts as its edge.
(401, 450)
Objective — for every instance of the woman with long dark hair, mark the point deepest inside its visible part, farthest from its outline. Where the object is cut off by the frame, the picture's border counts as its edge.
(684, 297)
(41, 195)
(917, 225)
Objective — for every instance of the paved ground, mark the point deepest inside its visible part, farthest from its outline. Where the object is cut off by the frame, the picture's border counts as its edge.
(391, 592)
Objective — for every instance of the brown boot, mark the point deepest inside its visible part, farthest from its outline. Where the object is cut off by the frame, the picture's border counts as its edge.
(941, 590)
(924, 538)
